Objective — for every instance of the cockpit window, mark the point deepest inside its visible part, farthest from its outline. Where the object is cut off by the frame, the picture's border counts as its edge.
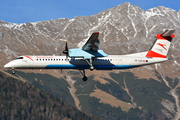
(19, 58)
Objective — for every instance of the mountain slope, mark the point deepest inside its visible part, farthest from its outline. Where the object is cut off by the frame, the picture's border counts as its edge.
(19, 100)
(110, 100)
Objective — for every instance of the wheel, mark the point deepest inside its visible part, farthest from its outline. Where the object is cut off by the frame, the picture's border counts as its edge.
(85, 78)
(13, 72)
(91, 68)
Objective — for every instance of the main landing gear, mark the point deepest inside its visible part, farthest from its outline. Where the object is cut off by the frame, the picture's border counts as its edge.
(89, 61)
(84, 76)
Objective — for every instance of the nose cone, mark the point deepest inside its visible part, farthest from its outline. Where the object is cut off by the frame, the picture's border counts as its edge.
(8, 65)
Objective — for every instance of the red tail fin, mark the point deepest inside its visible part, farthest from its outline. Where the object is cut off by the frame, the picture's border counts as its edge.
(161, 45)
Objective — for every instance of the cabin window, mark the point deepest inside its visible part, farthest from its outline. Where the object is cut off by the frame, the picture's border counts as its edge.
(19, 58)
(37, 59)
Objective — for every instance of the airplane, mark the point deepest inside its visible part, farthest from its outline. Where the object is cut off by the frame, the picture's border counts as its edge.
(91, 57)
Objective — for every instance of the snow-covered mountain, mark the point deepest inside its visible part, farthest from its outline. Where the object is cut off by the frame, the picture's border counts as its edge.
(123, 29)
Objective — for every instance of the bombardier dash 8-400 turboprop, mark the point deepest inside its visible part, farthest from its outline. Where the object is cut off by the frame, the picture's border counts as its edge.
(90, 57)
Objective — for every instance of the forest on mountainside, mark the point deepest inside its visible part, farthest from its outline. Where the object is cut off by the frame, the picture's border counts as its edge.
(21, 101)
(142, 89)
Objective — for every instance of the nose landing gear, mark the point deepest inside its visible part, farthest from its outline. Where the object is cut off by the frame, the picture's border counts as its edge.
(13, 71)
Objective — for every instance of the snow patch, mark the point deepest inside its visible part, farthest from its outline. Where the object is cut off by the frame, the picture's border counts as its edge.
(177, 63)
(153, 12)
(134, 27)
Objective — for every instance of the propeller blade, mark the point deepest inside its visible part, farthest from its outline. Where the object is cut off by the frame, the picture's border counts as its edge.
(66, 57)
(66, 52)
(66, 49)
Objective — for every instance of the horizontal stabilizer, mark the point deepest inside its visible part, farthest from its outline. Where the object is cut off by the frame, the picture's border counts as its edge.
(168, 33)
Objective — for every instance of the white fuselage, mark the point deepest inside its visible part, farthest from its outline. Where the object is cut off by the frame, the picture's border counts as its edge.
(104, 63)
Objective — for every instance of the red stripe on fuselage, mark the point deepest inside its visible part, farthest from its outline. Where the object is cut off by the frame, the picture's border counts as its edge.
(29, 57)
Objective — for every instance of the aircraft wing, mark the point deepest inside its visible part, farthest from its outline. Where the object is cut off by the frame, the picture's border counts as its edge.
(92, 43)
(89, 50)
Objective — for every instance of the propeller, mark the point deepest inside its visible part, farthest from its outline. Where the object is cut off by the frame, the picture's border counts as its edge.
(66, 51)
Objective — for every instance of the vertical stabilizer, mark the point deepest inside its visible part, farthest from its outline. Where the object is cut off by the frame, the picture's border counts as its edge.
(161, 45)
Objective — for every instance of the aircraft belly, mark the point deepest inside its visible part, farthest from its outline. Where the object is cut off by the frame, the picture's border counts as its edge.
(77, 66)
(125, 66)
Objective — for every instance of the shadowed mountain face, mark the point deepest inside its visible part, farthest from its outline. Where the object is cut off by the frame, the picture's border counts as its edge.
(21, 101)
(123, 29)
